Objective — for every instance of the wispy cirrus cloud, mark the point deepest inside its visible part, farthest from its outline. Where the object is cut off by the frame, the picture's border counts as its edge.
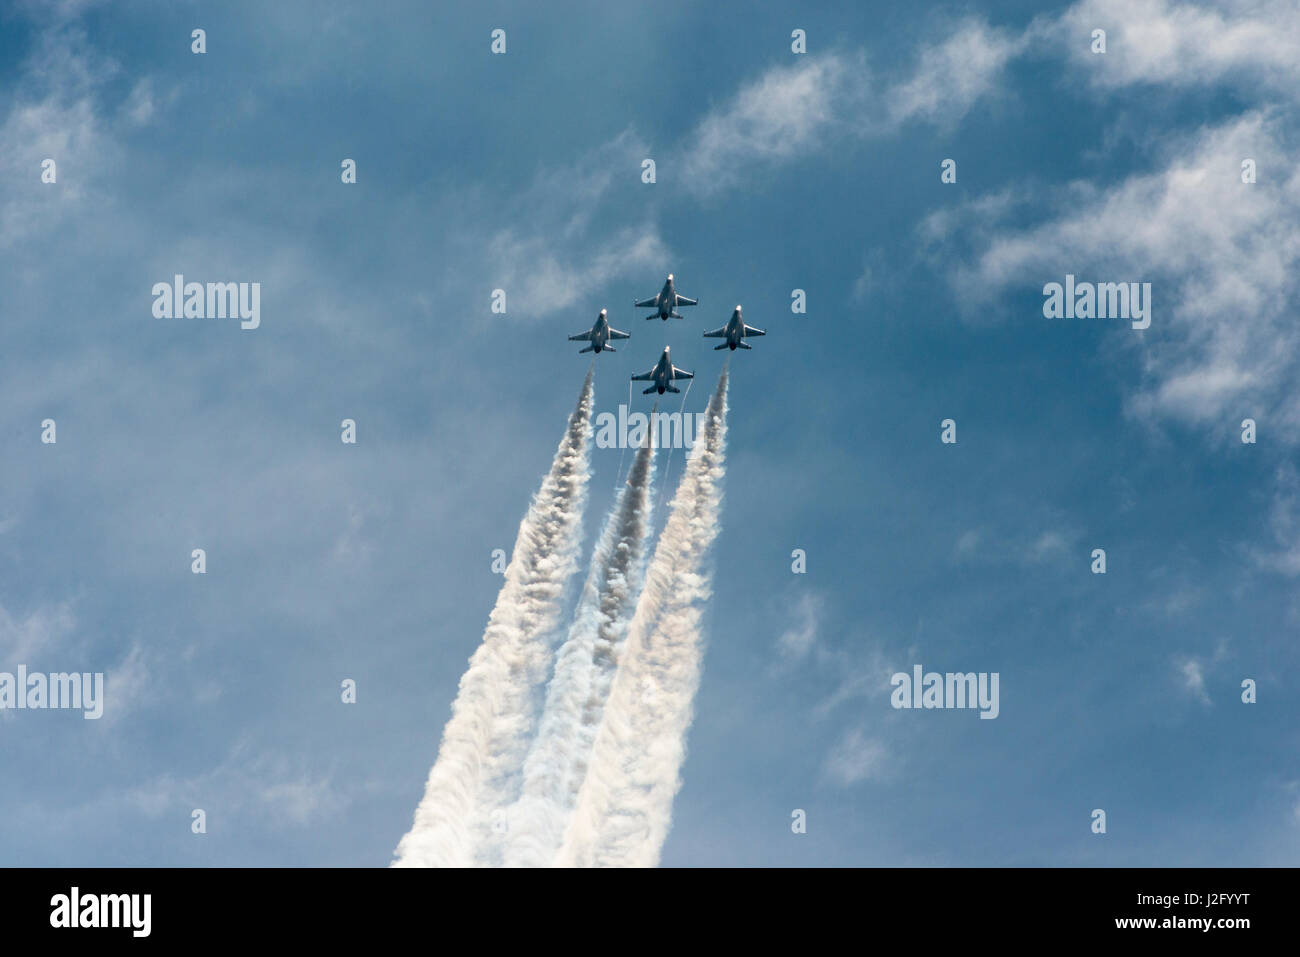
(950, 76)
(1191, 672)
(1222, 256)
(799, 639)
(784, 114)
(28, 639)
(1284, 524)
(260, 786)
(53, 116)
(554, 248)
(856, 757)
(794, 110)
(1252, 42)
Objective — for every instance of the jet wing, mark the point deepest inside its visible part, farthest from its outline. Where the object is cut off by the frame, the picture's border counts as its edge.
(683, 301)
(581, 337)
(751, 331)
(651, 303)
(615, 334)
(644, 376)
(682, 374)
(716, 333)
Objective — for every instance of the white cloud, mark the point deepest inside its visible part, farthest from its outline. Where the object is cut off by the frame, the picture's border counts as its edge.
(1284, 522)
(876, 276)
(53, 116)
(793, 110)
(126, 684)
(1222, 256)
(259, 783)
(952, 75)
(1019, 547)
(856, 758)
(556, 253)
(797, 641)
(139, 106)
(782, 115)
(1185, 44)
(66, 132)
(30, 640)
(862, 673)
(1191, 671)
(1048, 545)
(541, 276)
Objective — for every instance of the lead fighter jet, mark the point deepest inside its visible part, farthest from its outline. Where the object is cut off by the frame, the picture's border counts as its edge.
(665, 304)
(662, 375)
(735, 332)
(599, 335)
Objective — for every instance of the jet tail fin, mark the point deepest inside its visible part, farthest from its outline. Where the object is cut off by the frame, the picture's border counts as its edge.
(610, 349)
(723, 346)
(672, 389)
(588, 349)
(741, 345)
(649, 390)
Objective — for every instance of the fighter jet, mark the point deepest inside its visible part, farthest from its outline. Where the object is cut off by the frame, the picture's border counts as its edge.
(735, 332)
(662, 375)
(599, 335)
(665, 304)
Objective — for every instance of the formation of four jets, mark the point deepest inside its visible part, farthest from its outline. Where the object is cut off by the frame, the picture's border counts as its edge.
(665, 304)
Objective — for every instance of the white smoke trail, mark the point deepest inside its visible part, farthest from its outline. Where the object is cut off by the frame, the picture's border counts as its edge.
(618, 476)
(624, 808)
(584, 670)
(668, 466)
(484, 743)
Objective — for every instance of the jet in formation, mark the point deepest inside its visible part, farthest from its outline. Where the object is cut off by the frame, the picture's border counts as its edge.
(663, 375)
(665, 304)
(735, 332)
(599, 336)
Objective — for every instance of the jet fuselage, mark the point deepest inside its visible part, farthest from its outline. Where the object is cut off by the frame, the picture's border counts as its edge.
(600, 333)
(666, 301)
(735, 330)
(663, 373)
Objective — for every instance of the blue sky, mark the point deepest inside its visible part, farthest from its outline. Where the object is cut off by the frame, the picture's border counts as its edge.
(775, 171)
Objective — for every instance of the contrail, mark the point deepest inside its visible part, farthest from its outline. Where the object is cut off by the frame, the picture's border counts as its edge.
(668, 466)
(624, 808)
(478, 768)
(584, 671)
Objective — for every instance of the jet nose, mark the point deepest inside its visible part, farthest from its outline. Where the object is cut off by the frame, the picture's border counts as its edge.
(670, 276)
(602, 312)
